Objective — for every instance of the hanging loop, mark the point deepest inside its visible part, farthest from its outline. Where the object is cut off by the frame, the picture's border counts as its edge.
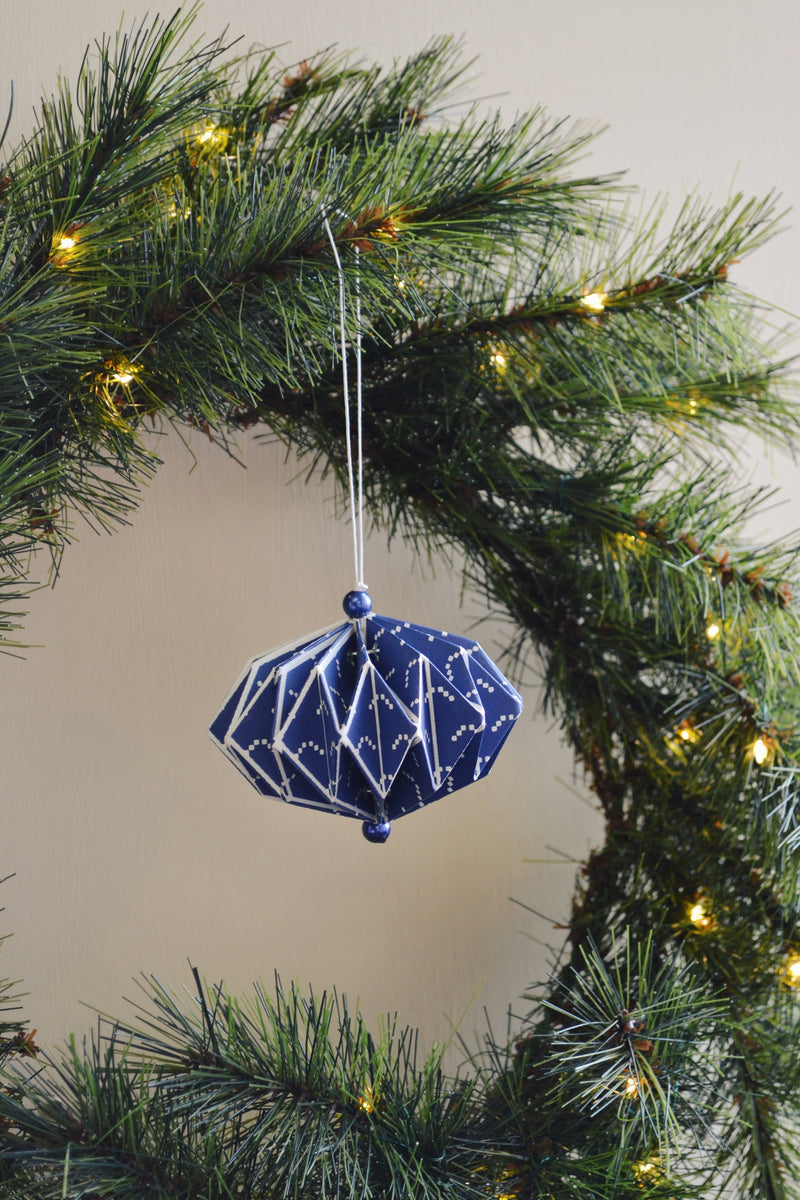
(355, 479)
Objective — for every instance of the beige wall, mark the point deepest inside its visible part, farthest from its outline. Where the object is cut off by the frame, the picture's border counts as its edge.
(134, 845)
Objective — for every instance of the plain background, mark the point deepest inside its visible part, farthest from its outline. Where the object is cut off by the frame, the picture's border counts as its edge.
(134, 845)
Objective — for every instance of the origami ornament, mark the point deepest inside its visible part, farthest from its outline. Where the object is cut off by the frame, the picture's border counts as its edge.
(372, 718)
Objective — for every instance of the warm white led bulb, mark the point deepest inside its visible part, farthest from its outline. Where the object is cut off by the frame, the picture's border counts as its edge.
(760, 751)
(595, 302)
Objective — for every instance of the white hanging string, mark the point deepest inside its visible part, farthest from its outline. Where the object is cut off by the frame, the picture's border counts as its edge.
(356, 504)
(359, 426)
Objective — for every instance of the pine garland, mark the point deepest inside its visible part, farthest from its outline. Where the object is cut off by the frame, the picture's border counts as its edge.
(544, 376)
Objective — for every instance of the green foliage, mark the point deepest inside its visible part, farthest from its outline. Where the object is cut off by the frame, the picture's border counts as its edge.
(274, 1096)
(631, 1037)
(552, 384)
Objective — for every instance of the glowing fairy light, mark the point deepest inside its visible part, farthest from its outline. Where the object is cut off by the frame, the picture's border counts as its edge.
(498, 361)
(760, 751)
(175, 211)
(631, 1086)
(119, 373)
(212, 134)
(649, 1167)
(700, 916)
(789, 970)
(213, 138)
(713, 631)
(648, 1171)
(63, 247)
(595, 302)
(696, 400)
(365, 1102)
(684, 735)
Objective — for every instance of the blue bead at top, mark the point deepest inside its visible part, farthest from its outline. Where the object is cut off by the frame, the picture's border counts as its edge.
(357, 604)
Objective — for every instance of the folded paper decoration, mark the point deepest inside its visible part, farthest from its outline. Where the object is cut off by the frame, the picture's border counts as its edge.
(370, 719)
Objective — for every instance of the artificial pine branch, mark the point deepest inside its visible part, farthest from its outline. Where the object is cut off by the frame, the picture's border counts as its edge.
(542, 375)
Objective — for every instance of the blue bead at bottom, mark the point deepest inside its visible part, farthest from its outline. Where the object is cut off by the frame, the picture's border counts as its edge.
(377, 831)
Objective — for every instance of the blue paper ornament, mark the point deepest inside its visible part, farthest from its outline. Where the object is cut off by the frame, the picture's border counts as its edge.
(371, 719)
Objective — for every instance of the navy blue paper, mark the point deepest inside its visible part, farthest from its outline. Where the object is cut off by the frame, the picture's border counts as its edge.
(370, 719)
